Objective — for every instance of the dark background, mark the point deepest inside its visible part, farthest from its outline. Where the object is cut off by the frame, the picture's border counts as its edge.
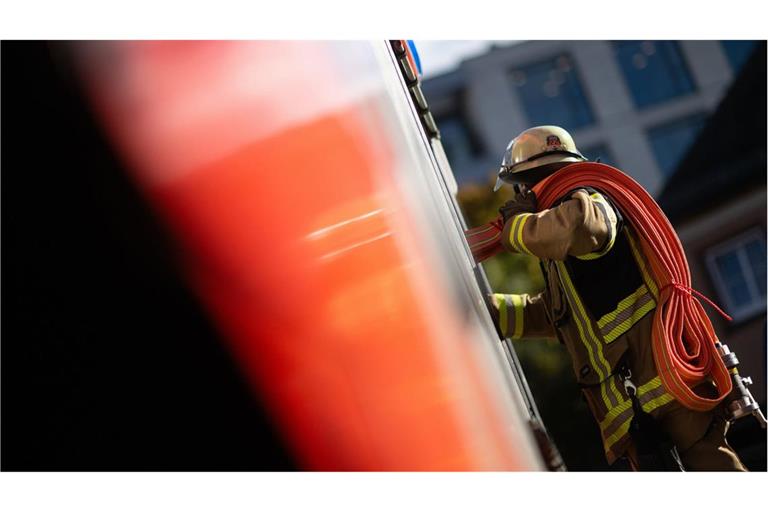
(108, 362)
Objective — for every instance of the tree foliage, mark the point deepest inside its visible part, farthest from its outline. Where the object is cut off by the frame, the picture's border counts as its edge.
(507, 273)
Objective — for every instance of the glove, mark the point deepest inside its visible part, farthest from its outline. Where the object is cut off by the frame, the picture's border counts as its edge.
(493, 309)
(522, 203)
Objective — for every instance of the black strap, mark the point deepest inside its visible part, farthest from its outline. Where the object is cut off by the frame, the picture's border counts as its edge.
(655, 450)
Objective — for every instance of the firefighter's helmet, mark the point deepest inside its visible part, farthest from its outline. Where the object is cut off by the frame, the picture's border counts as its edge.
(536, 153)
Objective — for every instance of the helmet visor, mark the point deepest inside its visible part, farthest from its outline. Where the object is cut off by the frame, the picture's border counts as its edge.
(529, 177)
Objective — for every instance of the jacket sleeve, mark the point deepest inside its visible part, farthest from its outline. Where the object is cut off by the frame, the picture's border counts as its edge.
(523, 316)
(583, 226)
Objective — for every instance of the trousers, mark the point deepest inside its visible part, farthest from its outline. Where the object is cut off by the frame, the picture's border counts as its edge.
(710, 453)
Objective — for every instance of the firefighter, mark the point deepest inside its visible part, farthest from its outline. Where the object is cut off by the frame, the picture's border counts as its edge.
(598, 300)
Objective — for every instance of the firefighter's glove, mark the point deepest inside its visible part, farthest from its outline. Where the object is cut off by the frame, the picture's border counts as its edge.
(521, 203)
(494, 303)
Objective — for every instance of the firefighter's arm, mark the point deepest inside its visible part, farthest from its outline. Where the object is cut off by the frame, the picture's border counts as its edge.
(522, 316)
(584, 226)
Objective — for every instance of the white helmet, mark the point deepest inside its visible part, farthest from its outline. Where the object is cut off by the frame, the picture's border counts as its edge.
(535, 154)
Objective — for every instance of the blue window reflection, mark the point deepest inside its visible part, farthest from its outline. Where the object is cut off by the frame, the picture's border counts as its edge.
(670, 141)
(551, 93)
(738, 52)
(655, 71)
(461, 147)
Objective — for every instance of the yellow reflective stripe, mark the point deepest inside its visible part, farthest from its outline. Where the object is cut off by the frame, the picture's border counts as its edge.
(624, 304)
(620, 431)
(611, 230)
(624, 428)
(502, 302)
(604, 392)
(616, 436)
(626, 318)
(630, 301)
(608, 208)
(572, 292)
(629, 322)
(643, 269)
(648, 407)
(519, 232)
(658, 402)
(649, 386)
(612, 413)
(615, 391)
(583, 329)
(512, 230)
(641, 390)
(503, 322)
(517, 302)
(591, 255)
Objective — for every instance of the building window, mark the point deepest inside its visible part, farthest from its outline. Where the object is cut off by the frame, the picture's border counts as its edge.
(655, 71)
(737, 268)
(461, 144)
(551, 93)
(738, 52)
(670, 141)
(600, 151)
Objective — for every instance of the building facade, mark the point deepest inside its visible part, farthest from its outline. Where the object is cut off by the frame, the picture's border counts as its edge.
(637, 105)
(716, 200)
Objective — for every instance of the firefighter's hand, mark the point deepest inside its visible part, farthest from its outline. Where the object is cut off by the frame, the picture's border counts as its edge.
(521, 203)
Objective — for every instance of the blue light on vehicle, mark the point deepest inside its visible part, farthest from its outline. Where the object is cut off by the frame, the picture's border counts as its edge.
(415, 53)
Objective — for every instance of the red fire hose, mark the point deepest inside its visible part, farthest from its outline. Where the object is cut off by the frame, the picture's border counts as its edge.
(683, 336)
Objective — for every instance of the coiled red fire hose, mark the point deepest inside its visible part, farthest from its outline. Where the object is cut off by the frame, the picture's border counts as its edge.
(683, 337)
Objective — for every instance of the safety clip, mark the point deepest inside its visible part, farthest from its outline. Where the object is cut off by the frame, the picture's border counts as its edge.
(629, 386)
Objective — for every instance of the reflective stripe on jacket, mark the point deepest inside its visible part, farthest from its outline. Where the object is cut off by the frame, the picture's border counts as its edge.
(599, 301)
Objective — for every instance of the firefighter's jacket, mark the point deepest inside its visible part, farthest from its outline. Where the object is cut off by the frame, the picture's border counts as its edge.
(599, 301)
